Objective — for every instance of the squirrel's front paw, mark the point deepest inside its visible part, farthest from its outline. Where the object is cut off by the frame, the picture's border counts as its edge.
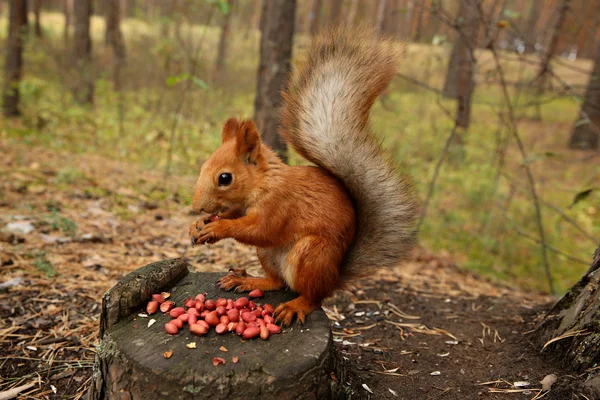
(195, 230)
(209, 233)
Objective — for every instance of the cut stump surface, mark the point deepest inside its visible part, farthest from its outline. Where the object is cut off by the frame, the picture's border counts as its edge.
(131, 364)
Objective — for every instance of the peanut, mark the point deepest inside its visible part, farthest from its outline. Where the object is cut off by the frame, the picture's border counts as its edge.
(251, 332)
(171, 328)
(273, 328)
(248, 317)
(221, 329)
(177, 322)
(221, 302)
(256, 293)
(264, 332)
(212, 319)
(167, 306)
(158, 297)
(152, 307)
(241, 302)
(176, 312)
(210, 305)
(198, 329)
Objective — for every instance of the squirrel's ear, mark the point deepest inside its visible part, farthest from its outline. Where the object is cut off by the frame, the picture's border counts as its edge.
(230, 129)
(248, 142)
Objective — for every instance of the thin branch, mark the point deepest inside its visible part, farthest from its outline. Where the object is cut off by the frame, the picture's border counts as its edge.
(529, 174)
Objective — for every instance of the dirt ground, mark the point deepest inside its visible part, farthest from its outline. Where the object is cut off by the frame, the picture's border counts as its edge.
(426, 330)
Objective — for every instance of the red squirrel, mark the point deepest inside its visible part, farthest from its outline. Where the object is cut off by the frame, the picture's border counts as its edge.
(316, 228)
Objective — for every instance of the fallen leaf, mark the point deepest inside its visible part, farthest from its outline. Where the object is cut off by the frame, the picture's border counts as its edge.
(218, 360)
(235, 359)
(368, 389)
(223, 348)
(168, 353)
(548, 381)
(191, 345)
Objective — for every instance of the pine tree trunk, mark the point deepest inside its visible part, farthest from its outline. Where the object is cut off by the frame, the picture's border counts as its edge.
(577, 316)
(557, 28)
(531, 33)
(13, 66)
(315, 16)
(68, 11)
(335, 13)
(277, 33)
(82, 52)
(351, 16)
(224, 41)
(461, 68)
(114, 35)
(586, 134)
(381, 10)
(37, 8)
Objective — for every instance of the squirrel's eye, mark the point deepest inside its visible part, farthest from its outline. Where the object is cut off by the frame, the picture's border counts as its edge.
(225, 179)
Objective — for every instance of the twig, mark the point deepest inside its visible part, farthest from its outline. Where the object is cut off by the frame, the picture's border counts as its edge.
(521, 147)
(14, 392)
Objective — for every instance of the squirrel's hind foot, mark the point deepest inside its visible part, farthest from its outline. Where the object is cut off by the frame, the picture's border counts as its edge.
(300, 307)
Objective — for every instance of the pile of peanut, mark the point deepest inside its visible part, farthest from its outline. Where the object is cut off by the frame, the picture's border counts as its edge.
(242, 316)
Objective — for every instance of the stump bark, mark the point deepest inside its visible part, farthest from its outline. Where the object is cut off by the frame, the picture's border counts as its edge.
(130, 361)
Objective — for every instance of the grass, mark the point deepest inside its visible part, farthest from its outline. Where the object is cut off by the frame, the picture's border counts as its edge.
(482, 220)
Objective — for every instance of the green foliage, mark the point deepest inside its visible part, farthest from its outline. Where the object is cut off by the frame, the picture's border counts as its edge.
(59, 223)
(43, 265)
(222, 5)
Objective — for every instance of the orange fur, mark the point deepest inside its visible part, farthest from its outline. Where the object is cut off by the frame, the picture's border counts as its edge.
(315, 228)
(300, 218)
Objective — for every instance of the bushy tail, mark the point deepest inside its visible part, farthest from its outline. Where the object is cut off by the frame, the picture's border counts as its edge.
(325, 119)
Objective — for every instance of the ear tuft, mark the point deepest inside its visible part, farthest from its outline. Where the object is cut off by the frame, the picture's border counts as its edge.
(230, 129)
(248, 142)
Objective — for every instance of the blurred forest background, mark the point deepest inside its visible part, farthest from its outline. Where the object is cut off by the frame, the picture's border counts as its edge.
(495, 110)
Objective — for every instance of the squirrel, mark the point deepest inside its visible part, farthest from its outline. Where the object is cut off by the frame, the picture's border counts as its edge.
(316, 228)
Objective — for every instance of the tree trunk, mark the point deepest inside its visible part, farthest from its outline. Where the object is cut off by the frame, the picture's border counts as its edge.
(224, 41)
(256, 15)
(589, 25)
(351, 16)
(296, 364)
(531, 33)
(380, 20)
(315, 16)
(277, 28)
(335, 12)
(554, 40)
(82, 52)
(68, 10)
(461, 68)
(586, 134)
(114, 35)
(576, 316)
(37, 8)
(416, 30)
(13, 66)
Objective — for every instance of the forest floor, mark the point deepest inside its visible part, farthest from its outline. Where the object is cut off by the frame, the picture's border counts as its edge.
(72, 225)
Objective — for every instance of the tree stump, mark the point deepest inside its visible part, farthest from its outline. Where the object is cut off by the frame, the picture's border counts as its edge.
(130, 361)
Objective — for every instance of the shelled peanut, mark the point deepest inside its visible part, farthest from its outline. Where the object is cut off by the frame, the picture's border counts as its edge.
(241, 316)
